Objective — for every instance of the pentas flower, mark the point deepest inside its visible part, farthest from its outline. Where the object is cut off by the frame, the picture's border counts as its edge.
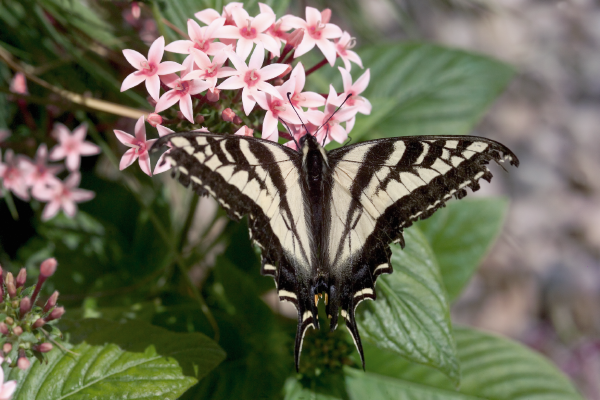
(248, 30)
(359, 103)
(299, 98)
(182, 89)
(72, 146)
(245, 131)
(201, 38)
(331, 127)
(7, 389)
(298, 130)
(276, 108)
(209, 70)
(40, 175)
(253, 77)
(13, 176)
(139, 147)
(316, 32)
(278, 30)
(209, 15)
(343, 46)
(64, 196)
(149, 69)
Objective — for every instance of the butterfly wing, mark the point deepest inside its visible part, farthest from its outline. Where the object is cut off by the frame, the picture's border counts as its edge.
(381, 187)
(261, 179)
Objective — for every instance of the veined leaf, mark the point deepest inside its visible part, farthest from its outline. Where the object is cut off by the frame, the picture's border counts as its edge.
(461, 235)
(424, 89)
(493, 368)
(411, 315)
(134, 360)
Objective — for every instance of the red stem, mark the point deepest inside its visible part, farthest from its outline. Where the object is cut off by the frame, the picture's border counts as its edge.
(316, 67)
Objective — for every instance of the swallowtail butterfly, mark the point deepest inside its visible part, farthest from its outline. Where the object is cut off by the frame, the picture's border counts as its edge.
(324, 219)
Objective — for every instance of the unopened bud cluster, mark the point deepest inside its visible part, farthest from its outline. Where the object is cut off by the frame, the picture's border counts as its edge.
(24, 329)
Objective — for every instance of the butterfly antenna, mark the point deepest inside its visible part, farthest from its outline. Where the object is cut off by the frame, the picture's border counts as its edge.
(296, 111)
(290, 131)
(325, 138)
(331, 116)
(349, 141)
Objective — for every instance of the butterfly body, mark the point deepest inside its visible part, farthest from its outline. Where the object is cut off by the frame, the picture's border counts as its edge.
(324, 221)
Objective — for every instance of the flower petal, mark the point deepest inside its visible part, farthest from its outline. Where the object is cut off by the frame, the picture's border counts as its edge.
(257, 58)
(162, 164)
(328, 49)
(50, 210)
(128, 158)
(144, 161)
(88, 149)
(272, 71)
(313, 16)
(81, 195)
(207, 16)
(300, 76)
(234, 82)
(244, 47)
(331, 31)
(312, 100)
(213, 27)
(163, 130)
(124, 137)
(140, 129)
(229, 32)
(270, 127)
(80, 132)
(240, 17)
(73, 180)
(57, 153)
(200, 58)
(133, 79)
(69, 208)
(134, 58)
(248, 101)
(168, 67)
(346, 79)
(268, 88)
(153, 86)
(263, 21)
(361, 83)
(305, 46)
(180, 46)
(185, 105)
(73, 161)
(270, 44)
(156, 51)
(167, 100)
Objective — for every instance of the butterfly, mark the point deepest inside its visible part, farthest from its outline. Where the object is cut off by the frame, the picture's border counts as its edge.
(324, 220)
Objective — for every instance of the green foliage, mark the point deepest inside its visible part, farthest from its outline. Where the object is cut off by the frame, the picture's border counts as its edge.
(460, 235)
(411, 315)
(108, 360)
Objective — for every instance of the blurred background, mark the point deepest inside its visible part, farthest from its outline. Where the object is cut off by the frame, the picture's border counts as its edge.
(541, 282)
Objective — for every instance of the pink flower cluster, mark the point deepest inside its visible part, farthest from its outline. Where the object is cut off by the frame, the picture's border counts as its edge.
(27, 178)
(225, 60)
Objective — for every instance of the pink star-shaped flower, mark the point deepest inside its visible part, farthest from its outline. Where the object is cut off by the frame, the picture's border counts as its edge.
(299, 98)
(316, 32)
(139, 147)
(343, 46)
(201, 38)
(253, 77)
(7, 389)
(359, 103)
(72, 147)
(162, 164)
(209, 70)
(245, 131)
(39, 175)
(276, 108)
(331, 127)
(182, 89)
(248, 30)
(209, 15)
(64, 196)
(149, 69)
(18, 84)
(278, 30)
(12, 175)
(297, 131)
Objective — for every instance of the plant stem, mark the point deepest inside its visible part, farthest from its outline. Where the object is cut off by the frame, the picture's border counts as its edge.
(316, 67)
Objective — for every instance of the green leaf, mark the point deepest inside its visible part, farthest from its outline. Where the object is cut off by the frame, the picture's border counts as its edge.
(493, 368)
(424, 89)
(134, 360)
(461, 235)
(293, 390)
(411, 315)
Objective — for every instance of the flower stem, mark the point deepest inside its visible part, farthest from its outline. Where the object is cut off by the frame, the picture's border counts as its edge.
(316, 67)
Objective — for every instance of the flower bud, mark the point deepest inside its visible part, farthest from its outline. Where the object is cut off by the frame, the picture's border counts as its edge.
(284, 73)
(23, 363)
(199, 119)
(1, 277)
(51, 301)
(38, 323)
(19, 84)
(56, 313)
(245, 131)
(213, 95)
(228, 115)
(7, 348)
(3, 328)
(48, 267)
(277, 82)
(295, 38)
(154, 119)
(10, 285)
(325, 16)
(44, 347)
(180, 115)
(237, 120)
(135, 10)
(21, 278)
(17, 330)
(25, 305)
(9, 321)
